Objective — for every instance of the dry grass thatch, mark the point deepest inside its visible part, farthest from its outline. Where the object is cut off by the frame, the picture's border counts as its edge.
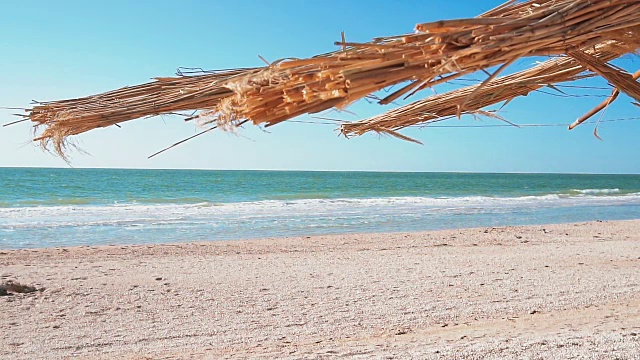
(580, 35)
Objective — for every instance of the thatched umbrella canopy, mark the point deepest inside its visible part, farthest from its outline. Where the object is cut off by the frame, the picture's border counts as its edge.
(579, 36)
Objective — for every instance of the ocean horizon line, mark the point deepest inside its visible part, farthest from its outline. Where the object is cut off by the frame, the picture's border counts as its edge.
(320, 170)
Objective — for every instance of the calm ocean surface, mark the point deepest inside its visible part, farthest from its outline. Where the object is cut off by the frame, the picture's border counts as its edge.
(62, 207)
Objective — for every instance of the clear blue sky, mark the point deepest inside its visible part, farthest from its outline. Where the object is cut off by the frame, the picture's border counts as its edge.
(61, 49)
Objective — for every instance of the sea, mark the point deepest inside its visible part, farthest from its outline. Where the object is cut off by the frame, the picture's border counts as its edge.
(41, 207)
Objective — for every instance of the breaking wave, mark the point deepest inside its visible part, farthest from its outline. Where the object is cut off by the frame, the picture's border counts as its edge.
(596, 191)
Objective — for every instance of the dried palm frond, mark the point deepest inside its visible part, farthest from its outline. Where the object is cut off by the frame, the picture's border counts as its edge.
(584, 34)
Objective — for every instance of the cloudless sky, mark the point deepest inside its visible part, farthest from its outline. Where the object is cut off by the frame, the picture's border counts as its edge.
(53, 50)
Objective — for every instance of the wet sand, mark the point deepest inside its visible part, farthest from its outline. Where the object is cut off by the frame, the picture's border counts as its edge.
(537, 292)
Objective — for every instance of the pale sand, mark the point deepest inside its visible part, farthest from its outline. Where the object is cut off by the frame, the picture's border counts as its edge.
(540, 292)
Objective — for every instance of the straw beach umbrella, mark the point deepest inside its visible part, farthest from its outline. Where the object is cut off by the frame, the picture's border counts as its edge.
(580, 37)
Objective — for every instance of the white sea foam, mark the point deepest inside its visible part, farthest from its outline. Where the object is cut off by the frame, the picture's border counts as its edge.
(596, 191)
(47, 226)
(130, 215)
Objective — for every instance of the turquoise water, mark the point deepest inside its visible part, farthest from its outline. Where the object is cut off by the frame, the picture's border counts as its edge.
(60, 207)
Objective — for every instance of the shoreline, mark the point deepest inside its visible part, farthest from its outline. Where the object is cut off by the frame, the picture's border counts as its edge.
(388, 232)
(325, 238)
(363, 237)
(554, 290)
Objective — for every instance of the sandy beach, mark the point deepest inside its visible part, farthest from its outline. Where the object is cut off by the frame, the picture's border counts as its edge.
(535, 292)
